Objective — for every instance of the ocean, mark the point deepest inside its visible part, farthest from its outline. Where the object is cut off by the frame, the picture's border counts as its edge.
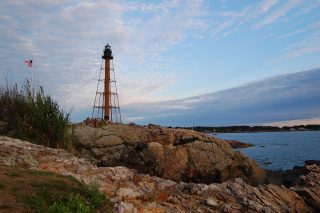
(279, 150)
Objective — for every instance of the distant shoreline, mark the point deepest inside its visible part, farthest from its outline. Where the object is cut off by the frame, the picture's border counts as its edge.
(252, 129)
(263, 131)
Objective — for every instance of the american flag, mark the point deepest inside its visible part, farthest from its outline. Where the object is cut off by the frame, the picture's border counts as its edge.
(28, 63)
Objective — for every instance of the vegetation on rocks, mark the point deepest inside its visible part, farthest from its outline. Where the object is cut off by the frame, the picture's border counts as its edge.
(36, 191)
(33, 116)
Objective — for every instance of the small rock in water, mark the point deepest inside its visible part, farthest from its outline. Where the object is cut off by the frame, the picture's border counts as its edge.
(267, 163)
(212, 202)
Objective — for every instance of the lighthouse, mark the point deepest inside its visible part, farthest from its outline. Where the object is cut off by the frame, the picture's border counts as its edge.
(107, 56)
(106, 103)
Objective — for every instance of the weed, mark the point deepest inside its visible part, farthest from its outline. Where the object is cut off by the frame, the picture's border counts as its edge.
(93, 194)
(55, 196)
(37, 201)
(73, 203)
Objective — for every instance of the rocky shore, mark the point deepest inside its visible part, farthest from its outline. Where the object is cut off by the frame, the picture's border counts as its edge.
(175, 154)
(152, 169)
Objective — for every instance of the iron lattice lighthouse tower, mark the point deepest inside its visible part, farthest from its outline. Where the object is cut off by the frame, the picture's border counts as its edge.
(106, 102)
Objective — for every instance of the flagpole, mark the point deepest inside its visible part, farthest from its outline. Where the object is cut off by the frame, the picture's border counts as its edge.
(33, 87)
(32, 80)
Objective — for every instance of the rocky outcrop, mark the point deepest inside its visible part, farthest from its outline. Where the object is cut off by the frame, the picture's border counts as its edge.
(289, 177)
(238, 144)
(308, 186)
(176, 154)
(134, 192)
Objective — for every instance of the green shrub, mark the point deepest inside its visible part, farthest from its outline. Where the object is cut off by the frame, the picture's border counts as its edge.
(94, 195)
(59, 196)
(34, 116)
(74, 203)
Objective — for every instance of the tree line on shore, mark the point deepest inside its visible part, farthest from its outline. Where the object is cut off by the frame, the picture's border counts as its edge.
(225, 129)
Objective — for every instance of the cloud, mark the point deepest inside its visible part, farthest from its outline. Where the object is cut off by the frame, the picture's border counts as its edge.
(286, 97)
(233, 21)
(267, 5)
(311, 121)
(308, 45)
(278, 13)
(65, 40)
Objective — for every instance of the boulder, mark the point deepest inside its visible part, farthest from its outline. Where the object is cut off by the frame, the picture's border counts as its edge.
(176, 154)
(108, 140)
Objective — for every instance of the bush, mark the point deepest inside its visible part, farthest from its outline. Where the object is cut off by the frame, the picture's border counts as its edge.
(74, 203)
(94, 195)
(34, 116)
(60, 196)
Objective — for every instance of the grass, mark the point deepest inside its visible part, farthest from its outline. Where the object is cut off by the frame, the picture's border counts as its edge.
(39, 173)
(37, 191)
(74, 203)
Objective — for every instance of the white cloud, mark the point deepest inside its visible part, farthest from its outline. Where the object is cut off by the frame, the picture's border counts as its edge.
(296, 122)
(285, 97)
(308, 45)
(278, 13)
(233, 21)
(65, 39)
(267, 5)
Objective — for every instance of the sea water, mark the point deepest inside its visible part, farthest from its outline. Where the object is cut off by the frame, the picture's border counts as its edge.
(279, 150)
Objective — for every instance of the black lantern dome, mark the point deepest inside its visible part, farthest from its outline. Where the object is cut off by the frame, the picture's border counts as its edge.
(107, 53)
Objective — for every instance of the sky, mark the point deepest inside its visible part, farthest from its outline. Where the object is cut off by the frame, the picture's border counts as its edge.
(163, 50)
(287, 99)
